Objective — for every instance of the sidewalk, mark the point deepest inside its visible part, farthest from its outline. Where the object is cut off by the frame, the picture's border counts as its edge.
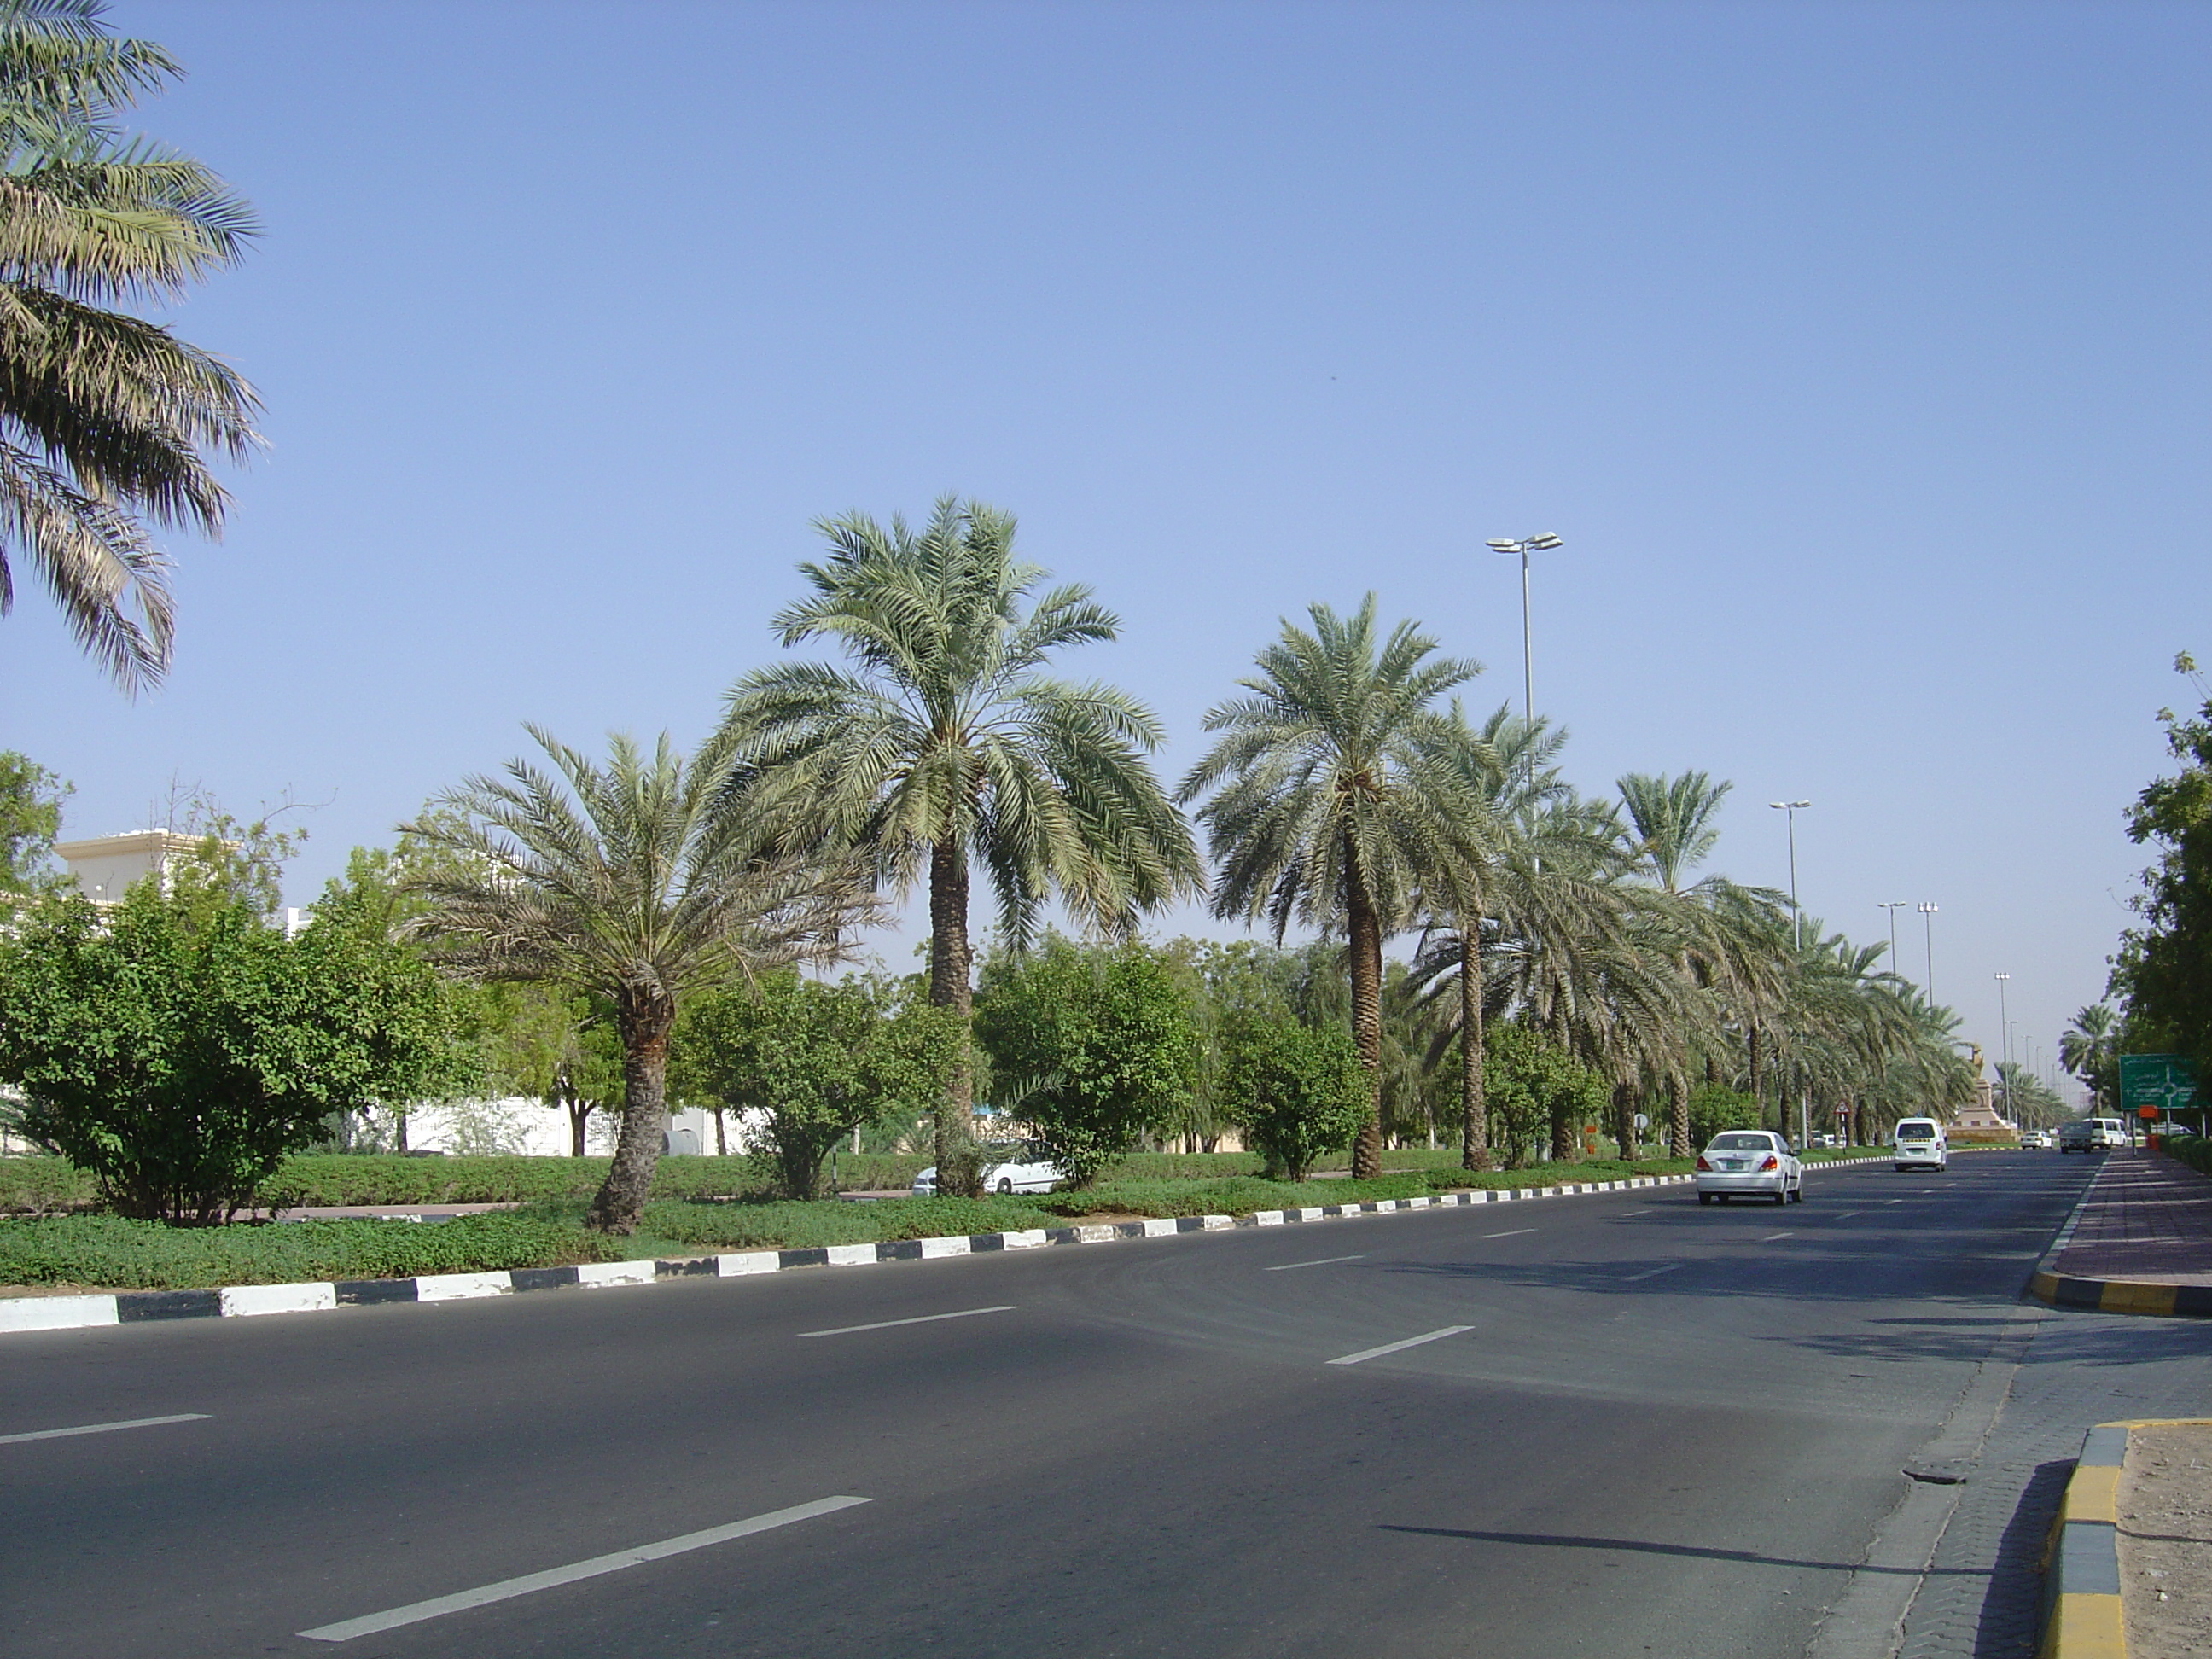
(2141, 1242)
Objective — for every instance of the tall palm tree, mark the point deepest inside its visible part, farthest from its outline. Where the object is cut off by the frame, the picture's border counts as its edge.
(635, 882)
(2089, 1048)
(107, 421)
(944, 744)
(1530, 871)
(1334, 798)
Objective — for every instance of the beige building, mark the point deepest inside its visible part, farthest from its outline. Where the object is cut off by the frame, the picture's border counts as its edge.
(105, 866)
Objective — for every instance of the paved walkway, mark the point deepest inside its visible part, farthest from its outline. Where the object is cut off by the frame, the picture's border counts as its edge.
(2147, 1220)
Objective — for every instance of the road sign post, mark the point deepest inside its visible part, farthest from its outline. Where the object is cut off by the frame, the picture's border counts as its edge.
(2155, 1084)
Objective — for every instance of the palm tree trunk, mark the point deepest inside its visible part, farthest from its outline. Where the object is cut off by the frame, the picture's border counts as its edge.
(643, 1018)
(957, 1172)
(1366, 941)
(1758, 1102)
(1624, 1121)
(1678, 1117)
(1474, 1117)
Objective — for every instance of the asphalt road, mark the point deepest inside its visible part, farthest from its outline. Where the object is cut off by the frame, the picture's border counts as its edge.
(1662, 1430)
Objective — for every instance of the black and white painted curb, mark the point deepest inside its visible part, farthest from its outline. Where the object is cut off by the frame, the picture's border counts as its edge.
(57, 1313)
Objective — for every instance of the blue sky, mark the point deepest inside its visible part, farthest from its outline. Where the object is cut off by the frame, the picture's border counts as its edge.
(1858, 352)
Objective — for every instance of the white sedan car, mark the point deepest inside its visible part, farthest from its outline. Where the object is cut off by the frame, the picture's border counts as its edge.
(1750, 1163)
(1021, 1167)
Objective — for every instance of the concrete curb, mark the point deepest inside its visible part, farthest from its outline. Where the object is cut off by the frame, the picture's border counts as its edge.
(58, 1313)
(2081, 1579)
(2120, 1296)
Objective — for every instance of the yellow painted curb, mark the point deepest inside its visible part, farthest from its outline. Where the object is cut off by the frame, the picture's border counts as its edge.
(2122, 1296)
(2093, 1494)
(2086, 1627)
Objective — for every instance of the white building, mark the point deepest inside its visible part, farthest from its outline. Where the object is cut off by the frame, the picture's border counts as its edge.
(105, 866)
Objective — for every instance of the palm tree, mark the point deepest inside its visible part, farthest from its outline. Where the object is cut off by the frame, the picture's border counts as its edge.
(106, 421)
(945, 745)
(635, 882)
(1530, 872)
(1335, 798)
(2089, 1048)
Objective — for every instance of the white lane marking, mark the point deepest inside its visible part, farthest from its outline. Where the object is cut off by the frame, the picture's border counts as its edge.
(103, 1428)
(1893, 1200)
(1845, 1215)
(1323, 1262)
(923, 1319)
(1770, 1237)
(1515, 1233)
(1393, 1347)
(1654, 1273)
(1626, 1213)
(506, 1589)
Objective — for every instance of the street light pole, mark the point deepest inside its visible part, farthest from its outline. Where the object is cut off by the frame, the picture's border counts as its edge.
(2004, 1043)
(1893, 907)
(1791, 808)
(1927, 927)
(1537, 543)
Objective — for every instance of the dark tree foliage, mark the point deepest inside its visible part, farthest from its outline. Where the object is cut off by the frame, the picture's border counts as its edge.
(1299, 1092)
(812, 1061)
(2164, 967)
(178, 1049)
(1104, 1038)
(30, 817)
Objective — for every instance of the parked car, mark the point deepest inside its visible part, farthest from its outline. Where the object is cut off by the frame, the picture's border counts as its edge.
(1919, 1143)
(1015, 1167)
(2093, 1134)
(1749, 1164)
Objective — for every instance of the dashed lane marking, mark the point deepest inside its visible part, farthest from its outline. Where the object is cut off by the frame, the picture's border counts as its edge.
(416, 1612)
(1770, 1237)
(1393, 1347)
(1512, 1233)
(1323, 1262)
(103, 1428)
(921, 1319)
(1654, 1273)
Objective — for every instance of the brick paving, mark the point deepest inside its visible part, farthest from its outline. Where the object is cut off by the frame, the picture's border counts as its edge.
(2148, 1218)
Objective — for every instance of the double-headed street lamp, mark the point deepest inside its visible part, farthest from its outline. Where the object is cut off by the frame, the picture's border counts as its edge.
(2004, 1043)
(1527, 544)
(1797, 943)
(1893, 907)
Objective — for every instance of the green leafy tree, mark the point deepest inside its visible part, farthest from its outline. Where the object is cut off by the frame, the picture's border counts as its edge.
(178, 1049)
(945, 746)
(1539, 1094)
(638, 882)
(2163, 972)
(1299, 1092)
(107, 421)
(1105, 1036)
(1332, 798)
(816, 1060)
(31, 799)
(1716, 1107)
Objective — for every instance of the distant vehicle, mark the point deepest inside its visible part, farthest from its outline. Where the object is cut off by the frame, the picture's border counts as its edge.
(2093, 1134)
(1921, 1143)
(1019, 1166)
(1820, 1138)
(1749, 1164)
(2033, 1140)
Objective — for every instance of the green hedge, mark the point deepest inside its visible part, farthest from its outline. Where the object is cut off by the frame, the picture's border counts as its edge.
(112, 1254)
(2195, 1151)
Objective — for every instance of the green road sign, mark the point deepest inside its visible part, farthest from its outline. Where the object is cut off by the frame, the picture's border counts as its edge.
(2165, 1081)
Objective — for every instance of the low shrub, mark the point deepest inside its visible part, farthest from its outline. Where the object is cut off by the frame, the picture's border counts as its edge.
(2195, 1151)
(113, 1253)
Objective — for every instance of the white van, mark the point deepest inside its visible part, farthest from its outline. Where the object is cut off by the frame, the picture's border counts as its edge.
(1920, 1144)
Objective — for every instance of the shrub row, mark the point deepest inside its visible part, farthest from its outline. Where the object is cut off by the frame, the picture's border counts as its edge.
(113, 1254)
(2195, 1151)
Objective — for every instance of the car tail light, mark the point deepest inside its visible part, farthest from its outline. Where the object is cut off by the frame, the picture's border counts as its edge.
(1702, 1165)
(1772, 1162)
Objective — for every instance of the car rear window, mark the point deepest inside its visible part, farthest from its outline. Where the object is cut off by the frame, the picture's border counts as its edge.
(1920, 1130)
(1740, 1143)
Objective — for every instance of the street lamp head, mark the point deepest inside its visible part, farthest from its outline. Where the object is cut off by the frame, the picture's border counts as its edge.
(1927, 909)
(1545, 542)
(2004, 976)
(1501, 545)
(1789, 806)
